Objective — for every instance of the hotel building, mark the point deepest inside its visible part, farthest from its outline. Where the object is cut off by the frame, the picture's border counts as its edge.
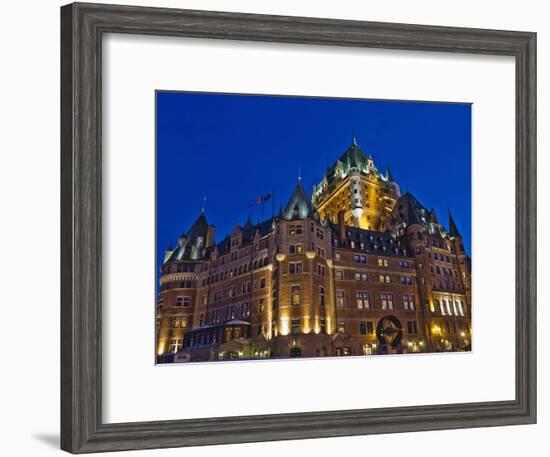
(357, 269)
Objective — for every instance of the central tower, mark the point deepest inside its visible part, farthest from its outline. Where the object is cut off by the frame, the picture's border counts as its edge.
(355, 187)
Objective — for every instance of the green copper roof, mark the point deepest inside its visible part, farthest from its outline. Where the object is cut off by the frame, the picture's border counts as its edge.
(191, 245)
(354, 157)
(410, 209)
(299, 206)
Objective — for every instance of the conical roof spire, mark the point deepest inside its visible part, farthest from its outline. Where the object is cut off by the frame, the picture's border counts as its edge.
(389, 177)
(299, 206)
(199, 227)
(453, 229)
(433, 217)
(190, 244)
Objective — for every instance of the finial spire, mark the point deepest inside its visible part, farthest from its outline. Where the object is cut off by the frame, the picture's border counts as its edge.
(453, 229)
(299, 174)
(389, 177)
(354, 141)
(203, 204)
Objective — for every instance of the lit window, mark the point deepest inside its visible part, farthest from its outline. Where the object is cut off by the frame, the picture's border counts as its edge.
(455, 307)
(175, 345)
(295, 248)
(341, 326)
(295, 295)
(363, 300)
(368, 349)
(339, 274)
(340, 298)
(387, 301)
(408, 302)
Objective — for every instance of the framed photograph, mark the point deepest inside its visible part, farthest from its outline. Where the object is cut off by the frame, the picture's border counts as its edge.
(284, 227)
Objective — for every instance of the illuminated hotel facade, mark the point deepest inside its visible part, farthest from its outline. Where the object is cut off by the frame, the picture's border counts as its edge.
(357, 269)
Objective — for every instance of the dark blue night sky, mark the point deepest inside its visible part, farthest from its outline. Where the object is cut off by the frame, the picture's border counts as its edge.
(234, 148)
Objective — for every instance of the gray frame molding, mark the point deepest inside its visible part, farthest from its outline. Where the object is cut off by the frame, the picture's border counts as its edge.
(82, 28)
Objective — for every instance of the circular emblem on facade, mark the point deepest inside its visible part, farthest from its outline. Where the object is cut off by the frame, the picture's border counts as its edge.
(389, 331)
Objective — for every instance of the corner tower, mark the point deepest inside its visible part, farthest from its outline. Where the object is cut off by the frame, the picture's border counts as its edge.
(354, 186)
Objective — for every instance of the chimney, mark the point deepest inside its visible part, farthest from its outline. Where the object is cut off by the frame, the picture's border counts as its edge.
(210, 236)
(341, 227)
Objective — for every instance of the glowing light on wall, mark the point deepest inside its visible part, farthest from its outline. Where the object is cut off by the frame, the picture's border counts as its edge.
(436, 329)
(285, 329)
(329, 326)
(160, 349)
(316, 326)
(306, 327)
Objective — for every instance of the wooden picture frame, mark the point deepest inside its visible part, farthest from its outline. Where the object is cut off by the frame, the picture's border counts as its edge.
(82, 29)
